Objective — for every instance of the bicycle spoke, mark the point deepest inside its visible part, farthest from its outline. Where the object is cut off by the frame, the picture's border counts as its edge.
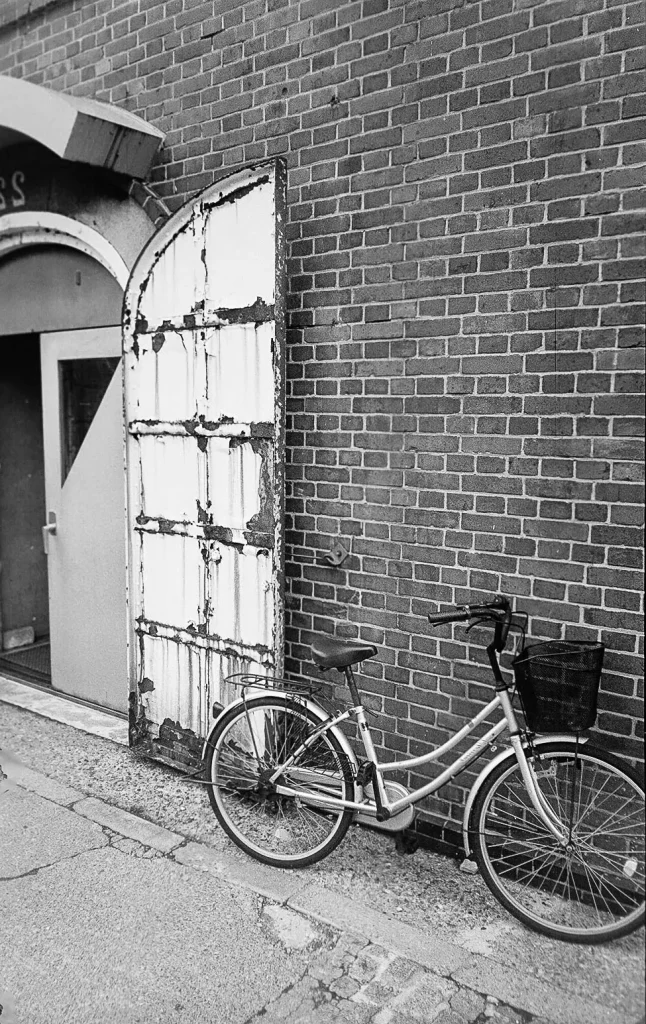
(584, 888)
(597, 794)
(607, 829)
(254, 796)
(556, 798)
(599, 884)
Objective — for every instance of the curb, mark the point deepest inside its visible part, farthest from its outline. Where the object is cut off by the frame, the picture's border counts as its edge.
(301, 894)
(61, 709)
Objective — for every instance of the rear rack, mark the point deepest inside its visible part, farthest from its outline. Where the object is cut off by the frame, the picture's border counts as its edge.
(299, 691)
(247, 680)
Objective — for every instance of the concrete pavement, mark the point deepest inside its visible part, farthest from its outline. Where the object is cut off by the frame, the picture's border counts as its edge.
(98, 927)
(105, 915)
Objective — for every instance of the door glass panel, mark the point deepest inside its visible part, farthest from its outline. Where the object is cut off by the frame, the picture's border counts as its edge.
(83, 383)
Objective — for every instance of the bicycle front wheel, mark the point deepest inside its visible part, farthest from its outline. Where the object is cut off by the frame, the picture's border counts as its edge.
(590, 890)
(280, 822)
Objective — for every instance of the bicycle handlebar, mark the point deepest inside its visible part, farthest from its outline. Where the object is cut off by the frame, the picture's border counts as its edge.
(498, 612)
(435, 620)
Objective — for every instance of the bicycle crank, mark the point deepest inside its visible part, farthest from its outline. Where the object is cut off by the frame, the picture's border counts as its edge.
(394, 791)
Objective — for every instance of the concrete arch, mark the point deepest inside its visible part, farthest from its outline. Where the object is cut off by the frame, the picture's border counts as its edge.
(18, 230)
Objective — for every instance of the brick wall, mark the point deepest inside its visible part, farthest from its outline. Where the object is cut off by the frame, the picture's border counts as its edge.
(465, 259)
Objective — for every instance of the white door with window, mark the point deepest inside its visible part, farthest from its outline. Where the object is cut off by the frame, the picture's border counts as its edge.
(84, 532)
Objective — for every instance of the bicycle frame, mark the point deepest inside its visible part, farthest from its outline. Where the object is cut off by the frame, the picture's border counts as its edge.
(508, 722)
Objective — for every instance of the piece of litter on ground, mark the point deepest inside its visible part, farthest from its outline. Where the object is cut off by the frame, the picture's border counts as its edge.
(469, 867)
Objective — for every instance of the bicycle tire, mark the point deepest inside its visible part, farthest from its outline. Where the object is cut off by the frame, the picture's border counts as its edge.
(593, 891)
(249, 742)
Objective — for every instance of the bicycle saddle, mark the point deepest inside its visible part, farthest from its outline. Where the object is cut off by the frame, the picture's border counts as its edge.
(328, 652)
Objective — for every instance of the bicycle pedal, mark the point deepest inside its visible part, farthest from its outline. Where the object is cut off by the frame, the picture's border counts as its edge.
(365, 772)
(406, 843)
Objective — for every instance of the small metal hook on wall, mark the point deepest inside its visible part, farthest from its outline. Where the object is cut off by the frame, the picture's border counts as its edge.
(337, 555)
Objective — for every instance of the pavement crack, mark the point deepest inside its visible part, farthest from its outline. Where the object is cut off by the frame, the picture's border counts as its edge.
(51, 864)
(180, 846)
(26, 874)
(283, 994)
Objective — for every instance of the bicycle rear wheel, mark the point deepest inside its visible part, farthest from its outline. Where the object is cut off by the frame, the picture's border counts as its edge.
(268, 820)
(593, 889)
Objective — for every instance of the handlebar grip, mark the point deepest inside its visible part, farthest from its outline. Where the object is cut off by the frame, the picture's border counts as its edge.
(436, 620)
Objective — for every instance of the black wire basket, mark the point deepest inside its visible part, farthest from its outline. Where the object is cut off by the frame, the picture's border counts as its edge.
(558, 683)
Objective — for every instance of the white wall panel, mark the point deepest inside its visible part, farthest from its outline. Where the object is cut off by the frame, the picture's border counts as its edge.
(204, 346)
(240, 250)
(188, 681)
(240, 373)
(241, 595)
(168, 376)
(175, 285)
(172, 580)
(170, 475)
(233, 482)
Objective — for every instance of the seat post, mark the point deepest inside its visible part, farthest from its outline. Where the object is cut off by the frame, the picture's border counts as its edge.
(352, 685)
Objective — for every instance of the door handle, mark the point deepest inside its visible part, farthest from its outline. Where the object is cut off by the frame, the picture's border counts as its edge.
(49, 530)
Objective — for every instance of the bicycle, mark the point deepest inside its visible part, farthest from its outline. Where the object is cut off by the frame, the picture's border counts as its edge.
(556, 824)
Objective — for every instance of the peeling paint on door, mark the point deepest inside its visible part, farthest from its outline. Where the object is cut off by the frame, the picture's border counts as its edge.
(204, 407)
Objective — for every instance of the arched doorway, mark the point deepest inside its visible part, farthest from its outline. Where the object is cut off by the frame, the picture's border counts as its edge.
(71, 228)
(61, 592)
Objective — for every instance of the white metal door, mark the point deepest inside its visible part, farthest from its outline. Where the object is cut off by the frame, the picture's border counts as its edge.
(85, 500)
(204, 369)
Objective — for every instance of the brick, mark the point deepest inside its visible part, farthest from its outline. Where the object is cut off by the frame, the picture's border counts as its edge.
(492, 156)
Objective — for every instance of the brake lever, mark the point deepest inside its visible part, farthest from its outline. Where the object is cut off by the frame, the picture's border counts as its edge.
(478, 620)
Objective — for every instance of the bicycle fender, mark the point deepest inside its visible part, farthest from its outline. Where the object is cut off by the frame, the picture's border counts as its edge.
(561, 737)
(310, 705)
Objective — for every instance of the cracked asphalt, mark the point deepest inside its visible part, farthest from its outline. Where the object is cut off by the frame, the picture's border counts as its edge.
(98, 926)
(120, 900)
(358, 982)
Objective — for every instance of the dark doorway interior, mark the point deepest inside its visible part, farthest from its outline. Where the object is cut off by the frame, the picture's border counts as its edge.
(83, 383)
(23, 564)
